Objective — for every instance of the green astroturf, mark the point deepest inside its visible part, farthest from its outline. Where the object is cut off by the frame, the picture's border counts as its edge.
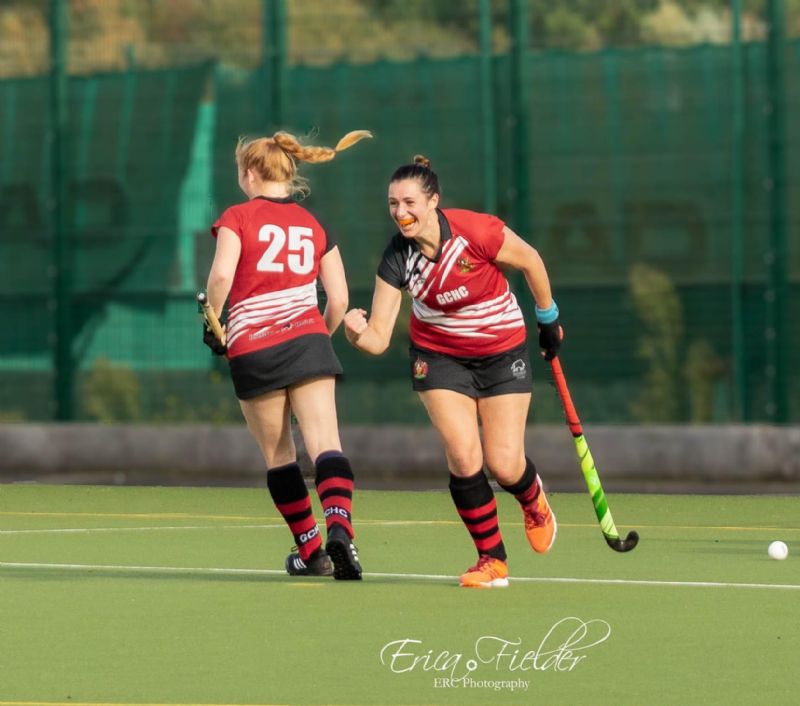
(101, 614)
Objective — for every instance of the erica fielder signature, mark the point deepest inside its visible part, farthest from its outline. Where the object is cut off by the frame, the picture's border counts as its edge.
(561, 649)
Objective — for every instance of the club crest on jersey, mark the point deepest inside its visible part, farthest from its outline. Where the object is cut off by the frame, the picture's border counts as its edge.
(518, 369)
(420, 369)
(464, 265)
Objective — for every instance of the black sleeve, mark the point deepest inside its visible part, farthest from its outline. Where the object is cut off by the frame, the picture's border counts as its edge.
(392, 267)
(330, 239)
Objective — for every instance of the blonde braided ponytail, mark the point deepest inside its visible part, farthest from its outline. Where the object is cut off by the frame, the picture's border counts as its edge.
(305, 153)
(275, 158)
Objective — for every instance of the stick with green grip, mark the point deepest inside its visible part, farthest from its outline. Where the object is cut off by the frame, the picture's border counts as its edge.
(607, 525)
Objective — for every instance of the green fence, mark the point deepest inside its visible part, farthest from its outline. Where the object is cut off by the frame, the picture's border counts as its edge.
(637, 186)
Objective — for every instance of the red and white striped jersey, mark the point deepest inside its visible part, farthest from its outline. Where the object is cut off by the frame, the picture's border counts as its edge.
(274, 294)
(462, 304)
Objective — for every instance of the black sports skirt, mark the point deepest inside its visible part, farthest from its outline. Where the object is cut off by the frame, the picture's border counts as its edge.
(274, 368)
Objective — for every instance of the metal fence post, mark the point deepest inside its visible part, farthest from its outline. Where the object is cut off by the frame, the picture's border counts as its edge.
(776, 291)
(739, 396)
(518, 30)
(274, 38)
(63, 362)
(488, 131)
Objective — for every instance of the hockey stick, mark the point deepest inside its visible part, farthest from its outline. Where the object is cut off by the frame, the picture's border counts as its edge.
(210, 317)
(590, 475)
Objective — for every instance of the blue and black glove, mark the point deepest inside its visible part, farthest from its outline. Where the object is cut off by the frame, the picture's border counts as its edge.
(550, 331)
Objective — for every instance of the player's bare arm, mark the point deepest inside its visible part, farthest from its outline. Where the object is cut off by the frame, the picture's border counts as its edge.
(522, 256)
(223, 269)
(374, 334)
(334, 282)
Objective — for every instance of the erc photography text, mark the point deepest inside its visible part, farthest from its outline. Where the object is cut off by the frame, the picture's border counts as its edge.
(491, 659)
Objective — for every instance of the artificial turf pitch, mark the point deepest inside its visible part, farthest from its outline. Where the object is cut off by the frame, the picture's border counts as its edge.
(177, 595)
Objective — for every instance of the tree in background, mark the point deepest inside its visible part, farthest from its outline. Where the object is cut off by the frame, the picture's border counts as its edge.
(659, 347)
(588, 25)
(108, 35)
(111, 35)
(23, 40)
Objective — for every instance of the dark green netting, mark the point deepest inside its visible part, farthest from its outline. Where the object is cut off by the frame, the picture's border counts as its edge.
(629, 162)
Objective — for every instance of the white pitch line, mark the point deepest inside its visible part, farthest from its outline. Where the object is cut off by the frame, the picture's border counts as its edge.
(612, 582)
(428, 577)
(159, 528)
(155, 569)
(645, 582)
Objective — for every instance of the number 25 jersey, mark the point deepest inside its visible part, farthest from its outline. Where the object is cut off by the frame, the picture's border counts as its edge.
(274, 294)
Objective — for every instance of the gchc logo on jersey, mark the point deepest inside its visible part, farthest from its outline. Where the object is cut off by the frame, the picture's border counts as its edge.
(420, 370)
(452, 295)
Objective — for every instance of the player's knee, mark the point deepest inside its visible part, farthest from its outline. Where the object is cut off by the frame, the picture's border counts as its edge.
(317, 444)
(277, 453)
(506, 465)
(464, 462)
(279, 458)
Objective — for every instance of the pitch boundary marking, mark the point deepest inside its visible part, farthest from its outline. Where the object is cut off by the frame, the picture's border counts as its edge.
(110, 703)
(152, 528)
(358, 522)
(229, 571)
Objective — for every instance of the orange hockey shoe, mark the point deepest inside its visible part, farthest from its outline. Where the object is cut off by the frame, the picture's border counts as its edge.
(487, 573)
(540, 523)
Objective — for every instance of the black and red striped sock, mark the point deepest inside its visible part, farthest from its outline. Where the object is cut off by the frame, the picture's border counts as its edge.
(475, 503)
(335, 489)
(289, 493)
(527, 488)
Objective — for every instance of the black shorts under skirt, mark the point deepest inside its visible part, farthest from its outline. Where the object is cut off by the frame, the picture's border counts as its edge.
(274, 368)
(500, 374)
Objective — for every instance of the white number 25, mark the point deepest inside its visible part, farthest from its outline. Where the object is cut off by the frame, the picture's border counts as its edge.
(300, 247)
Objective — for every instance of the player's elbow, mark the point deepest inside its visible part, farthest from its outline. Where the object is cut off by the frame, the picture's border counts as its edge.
(370, 341)
(380, 348)
(532, 260)
(338, 303)
(220, 280)
(372, 348)
(380, 342)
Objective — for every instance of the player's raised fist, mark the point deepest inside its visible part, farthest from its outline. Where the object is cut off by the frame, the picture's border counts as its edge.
(355, 323)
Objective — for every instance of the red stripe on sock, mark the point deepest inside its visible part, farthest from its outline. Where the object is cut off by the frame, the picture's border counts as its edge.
(294, 507)
(530, 494)
(482, 526)
(304, 525)
(342, 523)
(478, 511)
(488, 543)
(338, 501)
(335, 518)
(342, 483)
(307, 549)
